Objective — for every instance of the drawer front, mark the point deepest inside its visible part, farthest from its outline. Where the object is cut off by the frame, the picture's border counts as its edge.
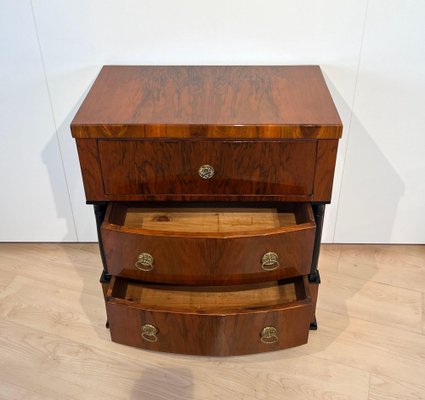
(202, 332)
(136, 167)
(224, 258)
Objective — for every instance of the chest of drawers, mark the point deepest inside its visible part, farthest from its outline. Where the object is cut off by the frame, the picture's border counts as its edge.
(209, 186)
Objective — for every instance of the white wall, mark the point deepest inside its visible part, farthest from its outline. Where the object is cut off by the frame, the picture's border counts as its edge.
(34, 200)
(371, 51)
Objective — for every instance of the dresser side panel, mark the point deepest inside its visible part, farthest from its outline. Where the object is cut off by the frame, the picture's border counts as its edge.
(325, 168)
(90, 169)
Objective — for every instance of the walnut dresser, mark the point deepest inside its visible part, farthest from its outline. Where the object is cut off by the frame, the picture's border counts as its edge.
(209, 185)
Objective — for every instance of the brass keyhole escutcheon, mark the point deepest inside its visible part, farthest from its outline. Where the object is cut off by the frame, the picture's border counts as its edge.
(149, 333)
(268, 335)
(206, 171)
(144, 262)
(270, 261)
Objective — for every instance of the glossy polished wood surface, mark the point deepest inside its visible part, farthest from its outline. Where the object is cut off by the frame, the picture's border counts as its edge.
(261, 133)
(221, 321)
(240, 167)
(208, 257)
(208, 102)
(324, 170)
(91, 172)
(93, 175)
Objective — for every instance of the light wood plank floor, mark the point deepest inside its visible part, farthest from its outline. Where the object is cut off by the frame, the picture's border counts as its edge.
(370, 343)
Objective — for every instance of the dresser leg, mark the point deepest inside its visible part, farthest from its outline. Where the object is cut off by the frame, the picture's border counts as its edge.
(314, 290)
(314, 277)
(105, 278)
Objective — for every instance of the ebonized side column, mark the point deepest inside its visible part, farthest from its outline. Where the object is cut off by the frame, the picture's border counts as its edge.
(314, 276)
(99, 212)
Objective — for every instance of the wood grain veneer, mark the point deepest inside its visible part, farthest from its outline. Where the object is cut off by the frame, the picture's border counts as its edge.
(91, 172)
(208, 256)
(209, 321)
(324, 171)
(242, 167)
(167, 170)
(196, 106)
(268, 137)
(208, 102)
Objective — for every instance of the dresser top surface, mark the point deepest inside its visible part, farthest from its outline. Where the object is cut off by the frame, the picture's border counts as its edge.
(208, 101)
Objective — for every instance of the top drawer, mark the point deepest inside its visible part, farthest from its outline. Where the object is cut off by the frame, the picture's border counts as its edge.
(269, 133)
(136, 167)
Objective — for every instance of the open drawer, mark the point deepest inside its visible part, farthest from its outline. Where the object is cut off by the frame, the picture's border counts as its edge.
(208, 245)
(209, 320)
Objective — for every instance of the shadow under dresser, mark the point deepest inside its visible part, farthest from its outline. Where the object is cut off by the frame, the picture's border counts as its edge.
(209, 185)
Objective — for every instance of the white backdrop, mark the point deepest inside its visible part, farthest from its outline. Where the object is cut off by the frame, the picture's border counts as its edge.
(372, 53)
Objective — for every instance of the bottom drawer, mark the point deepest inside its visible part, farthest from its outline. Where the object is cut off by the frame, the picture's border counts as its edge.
(209, 320)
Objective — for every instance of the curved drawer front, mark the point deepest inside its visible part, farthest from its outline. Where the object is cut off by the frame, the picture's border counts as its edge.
(140, 167)
(209, 320)
(208, 245)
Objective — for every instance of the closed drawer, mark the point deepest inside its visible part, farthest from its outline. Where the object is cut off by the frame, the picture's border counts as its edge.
(209, 320)
(142, 167)
(208, 245)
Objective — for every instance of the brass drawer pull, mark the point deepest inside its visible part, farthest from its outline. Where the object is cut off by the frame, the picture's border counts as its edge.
(269, 261)
(144, 262)
(149, 333)
(206, 171)
(269, 335)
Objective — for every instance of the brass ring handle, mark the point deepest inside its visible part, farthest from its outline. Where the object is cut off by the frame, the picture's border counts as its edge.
(144, 262)
(270, 261)
(268, 335)
(206, 171)
(149, 333)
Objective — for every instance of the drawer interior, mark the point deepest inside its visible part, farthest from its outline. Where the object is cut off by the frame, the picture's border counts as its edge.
(209, 298)
(214, 219)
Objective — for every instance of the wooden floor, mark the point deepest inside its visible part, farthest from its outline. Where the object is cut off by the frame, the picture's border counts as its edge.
(370, 343)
